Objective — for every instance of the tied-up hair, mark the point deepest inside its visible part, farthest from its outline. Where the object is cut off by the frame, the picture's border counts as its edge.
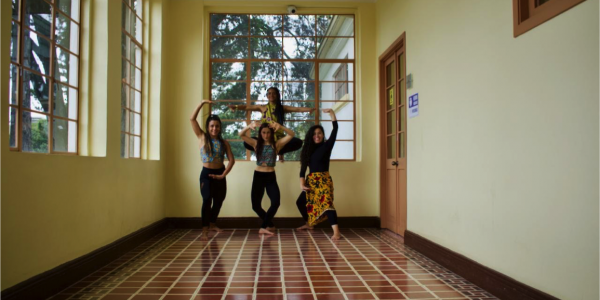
(278, 107)
(309, 145)
(208, 142)
(261, 142)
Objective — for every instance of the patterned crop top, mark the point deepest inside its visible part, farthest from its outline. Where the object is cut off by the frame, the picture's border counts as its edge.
(268, 157)
(217, 152)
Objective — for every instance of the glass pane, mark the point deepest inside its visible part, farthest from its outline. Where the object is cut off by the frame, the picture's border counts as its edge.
(336, 71)
(14, 42)
(126, 18)
(124, 95)
(222, 24)
(136, 103)
(266, 25)
(131, 96)
(133, 75)
(64, 136)
(340, 48)
(138, 30)
(238, 150)
(391, 121)
(390, 74)
(343, 110)
(401, 63)
(309, 115)
(13, 89)
(299, 47)
(401, 93)
(136, 123)
(231, 129)
(298, 91)
(345, 130)
(131, 147)
(390, 98)
(138, 79)
(391, 147)
(266, 71)
(299, 25)
(331, 91)
(125, 71)
(221, 109)
(300, 128)
(343, 150)
(65, 101)
(66, 33)
(35, 132)
(12, 127)
(540, 2)
(335, 25)
(66, 67)
(299, 71)
(226, 47)
(228, 91)
(228, 71)
(125, 45)
(258, 90)
(38, 16)
(266, 48)
(401, 144)
(124, 145)
(36, 91)
(70, 7)
(402, 119)
(124, 120)
(136, 146)
(138, 7)
(138, 56)
(36, 54)
(15, 9)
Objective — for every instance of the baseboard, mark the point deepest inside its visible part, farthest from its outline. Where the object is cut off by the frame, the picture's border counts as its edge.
(254, 222)
(53, 281)
(488, 279)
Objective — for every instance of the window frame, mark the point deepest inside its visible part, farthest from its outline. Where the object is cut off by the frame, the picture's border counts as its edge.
(528, 14)
(316, 116)
(19, 65)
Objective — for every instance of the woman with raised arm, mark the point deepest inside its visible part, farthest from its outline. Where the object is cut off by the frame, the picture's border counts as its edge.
(315, 202)
(213, 185)
(266, 149)
(275, 112)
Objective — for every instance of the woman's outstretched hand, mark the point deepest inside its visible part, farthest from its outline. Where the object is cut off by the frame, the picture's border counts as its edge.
(218, 177)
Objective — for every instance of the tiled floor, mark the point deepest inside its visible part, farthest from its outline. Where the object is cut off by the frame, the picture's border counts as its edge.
(239, 264)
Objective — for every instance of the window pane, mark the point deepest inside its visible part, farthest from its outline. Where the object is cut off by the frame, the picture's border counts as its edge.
(402, 119)
(70, 7)
(36, 53)
(138, 79)
(228, 71)
(136, 102)
(299, 91)
(391, 147)
(138, 7)
(125, 45)
(65, 101)
(238, 150)
(390, 98)
(329, 91)
(266, 48)
(221, 109)
(266, 71)
(343, 150)
(126, 18)
(124, 120)
(335, 25)
(300, 128)
(267, 25)
(14, 42)
(124, 140)
(136, 123)
(258, 90)
(66, 33)
(12, 127)
(391, 121)
(299, 71)
(132, 74)
(131, 147)
(228, 91)
(35, 132)
(300, 115)
(35, 91)
(343, 110)
(15, 9)
(38, 16)
(124, 95)
(137, 29)
(345, 130)
(136, 146)
(226, 47)
(299, 48)
(138, 56)
(231, 129)
(299, 25)
(66, 66)
(221, 24)
(341, 48)
(401, 144)
(64, 136)
(13, 90)
(333, 71)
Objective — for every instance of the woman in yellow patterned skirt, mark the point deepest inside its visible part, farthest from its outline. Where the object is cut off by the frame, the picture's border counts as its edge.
(315, 203)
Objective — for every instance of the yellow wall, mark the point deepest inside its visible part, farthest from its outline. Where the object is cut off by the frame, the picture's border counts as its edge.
(186, 64)
(56, 208)
(502, 160)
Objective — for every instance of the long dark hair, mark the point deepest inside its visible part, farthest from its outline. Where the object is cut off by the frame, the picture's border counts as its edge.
(261, 143)
(278, 107)
(309, 144)
(208, 143)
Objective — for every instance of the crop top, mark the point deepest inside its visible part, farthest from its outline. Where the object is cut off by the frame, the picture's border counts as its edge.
(217, 152)
(268, 157)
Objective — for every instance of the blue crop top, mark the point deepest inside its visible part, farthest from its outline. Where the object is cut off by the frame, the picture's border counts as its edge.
(268, 157)
(217, 152)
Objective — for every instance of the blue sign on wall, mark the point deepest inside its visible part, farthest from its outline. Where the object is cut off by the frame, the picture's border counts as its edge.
(413, 105)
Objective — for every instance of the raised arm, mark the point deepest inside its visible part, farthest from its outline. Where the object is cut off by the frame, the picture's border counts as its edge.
(284, 140)
(195, 126)
(333, 135)
(287, 108)
(246, 107)
(252, 142)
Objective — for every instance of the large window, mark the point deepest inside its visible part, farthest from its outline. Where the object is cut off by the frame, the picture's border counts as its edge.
(44, 76)
(528, 14)
(131, 75)
(298, 54)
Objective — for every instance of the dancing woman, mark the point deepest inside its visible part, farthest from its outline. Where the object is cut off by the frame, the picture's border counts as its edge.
(315, 202)
(266, 149)
(213, 185)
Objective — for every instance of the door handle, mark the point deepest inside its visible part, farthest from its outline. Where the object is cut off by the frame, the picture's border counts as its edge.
(394, 163)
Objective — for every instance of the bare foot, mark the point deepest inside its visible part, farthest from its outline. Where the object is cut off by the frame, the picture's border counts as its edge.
(265, 231)
(304, 227)
(272, 229)
(215, 228)
(336, 237)
(204, 236)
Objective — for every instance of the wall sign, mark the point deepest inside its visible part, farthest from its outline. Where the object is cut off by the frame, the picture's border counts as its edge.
(413, 105)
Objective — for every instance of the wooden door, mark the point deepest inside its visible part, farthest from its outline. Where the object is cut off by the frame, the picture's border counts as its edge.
(393, 133)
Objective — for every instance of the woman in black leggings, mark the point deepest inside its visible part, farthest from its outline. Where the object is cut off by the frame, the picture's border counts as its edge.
(264, 175)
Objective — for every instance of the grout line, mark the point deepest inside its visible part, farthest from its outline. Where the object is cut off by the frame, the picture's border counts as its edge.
(312, 289)
(237, 261)
(327, 266)
(281, 266)
(262, 239)
(213, 264)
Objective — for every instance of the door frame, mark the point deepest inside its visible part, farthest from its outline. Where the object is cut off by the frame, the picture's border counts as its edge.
(390, 51)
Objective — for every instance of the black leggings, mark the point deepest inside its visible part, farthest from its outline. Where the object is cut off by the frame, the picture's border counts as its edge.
(301, 203)
(213, 192)
(291, 146)
(268, 181)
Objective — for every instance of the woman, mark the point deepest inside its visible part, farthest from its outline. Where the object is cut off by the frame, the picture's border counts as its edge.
(275, 112)
(213, 185)
(315, 203)
(266, 149)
